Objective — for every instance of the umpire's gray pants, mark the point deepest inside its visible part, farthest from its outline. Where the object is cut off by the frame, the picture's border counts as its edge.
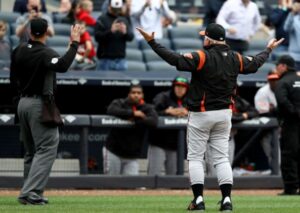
(212, 126)
(40, 144)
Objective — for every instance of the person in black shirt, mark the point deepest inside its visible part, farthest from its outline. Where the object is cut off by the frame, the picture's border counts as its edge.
(163, 143)
(33, 74)
(210, 100)
(287, 94)
(112, 32)
(124, 145)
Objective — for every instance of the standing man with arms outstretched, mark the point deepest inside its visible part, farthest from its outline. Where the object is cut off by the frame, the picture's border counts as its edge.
(210, 100)
(33, 74)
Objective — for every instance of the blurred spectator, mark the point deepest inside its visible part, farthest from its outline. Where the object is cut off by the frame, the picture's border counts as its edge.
(276, 18)
(112, 32)
(241, 19)
(211, 11)
(162, 151)
(85, 57)
(71, 16)
(23, 22)
(124, 146)
(266, 104)
(20, 6)
(65, 6)
(148, 14)
(84, 14)
(125, 9)
(264, 99)
(292, 26)
(5, 48)
(287, 94)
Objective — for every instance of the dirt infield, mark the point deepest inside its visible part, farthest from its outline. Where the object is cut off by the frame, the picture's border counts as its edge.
(137, 192)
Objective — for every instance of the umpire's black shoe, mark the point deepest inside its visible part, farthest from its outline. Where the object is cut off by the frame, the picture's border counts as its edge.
(32, 200)
(226, 206)
(46, 200)
(196, 207)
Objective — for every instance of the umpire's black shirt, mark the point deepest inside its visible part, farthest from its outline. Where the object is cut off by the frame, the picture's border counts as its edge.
(33, 60)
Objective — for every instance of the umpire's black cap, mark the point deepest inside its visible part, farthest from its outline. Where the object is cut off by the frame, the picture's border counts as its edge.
(287, 60)
(38, 26)
(214, 31)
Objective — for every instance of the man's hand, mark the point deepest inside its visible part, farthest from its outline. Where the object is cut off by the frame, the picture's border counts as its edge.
(231, 31)
(139, 114)
(115, 27)
(274, 43)
(146, 36)
(75, 32)
(123, 28)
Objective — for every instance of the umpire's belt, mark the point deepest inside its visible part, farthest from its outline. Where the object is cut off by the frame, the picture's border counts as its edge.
(30, 96)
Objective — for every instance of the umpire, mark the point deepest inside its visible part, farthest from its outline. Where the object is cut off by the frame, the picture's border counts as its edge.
(31, 63)
(287, 94)
(210, 100)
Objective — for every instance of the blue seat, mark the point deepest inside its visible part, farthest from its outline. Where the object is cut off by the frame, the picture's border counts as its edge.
(9, 17)
(62, 29)
(164, 42)
(184, 32)
(14, 41)
(136, 66)
(134, 55)
(187, 43)
(58, 41)
(60, 50)
(160, 66)
(150, 55)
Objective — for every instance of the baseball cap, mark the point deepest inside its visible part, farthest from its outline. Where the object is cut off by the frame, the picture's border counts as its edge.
(214, 31)
(38, 26)
(116, 3)
(273, 76)
(287, 60)
(179, 80)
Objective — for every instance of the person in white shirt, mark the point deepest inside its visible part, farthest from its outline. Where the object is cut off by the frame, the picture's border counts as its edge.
(264, 99)
(241, 19)
(148, 15)
(266, 104)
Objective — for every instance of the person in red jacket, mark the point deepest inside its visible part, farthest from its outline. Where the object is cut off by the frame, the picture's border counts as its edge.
(86, 8)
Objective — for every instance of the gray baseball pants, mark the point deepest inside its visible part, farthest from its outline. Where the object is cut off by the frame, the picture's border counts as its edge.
(212, 126)
(115, 165)
(40, 144)
(160, 158)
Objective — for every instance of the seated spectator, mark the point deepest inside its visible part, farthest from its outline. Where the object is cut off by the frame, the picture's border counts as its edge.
(5, 48)
(23, 22)
(112, 32)
(20, 6)
(148, 14)
(65, 6)
(124, 146)
(85, 58)
(71, 16)
(84, 14)
(162, 151)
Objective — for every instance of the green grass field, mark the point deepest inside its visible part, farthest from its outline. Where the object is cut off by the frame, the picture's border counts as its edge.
(134, 204)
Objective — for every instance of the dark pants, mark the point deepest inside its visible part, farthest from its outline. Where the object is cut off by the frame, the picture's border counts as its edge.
(238, 45)
(290, 155)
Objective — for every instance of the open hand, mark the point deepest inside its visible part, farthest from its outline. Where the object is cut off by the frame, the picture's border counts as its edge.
(148, 37)
(273, 43)
(75, 32)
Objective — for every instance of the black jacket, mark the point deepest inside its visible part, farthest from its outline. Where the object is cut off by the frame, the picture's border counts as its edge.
(36, 59)
(128, 142)
(112, 45)
(165, 138)
(287, 94)
(242, 106)
(214, 73)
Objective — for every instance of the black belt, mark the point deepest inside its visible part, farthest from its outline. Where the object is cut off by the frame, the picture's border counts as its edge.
(30, 96)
